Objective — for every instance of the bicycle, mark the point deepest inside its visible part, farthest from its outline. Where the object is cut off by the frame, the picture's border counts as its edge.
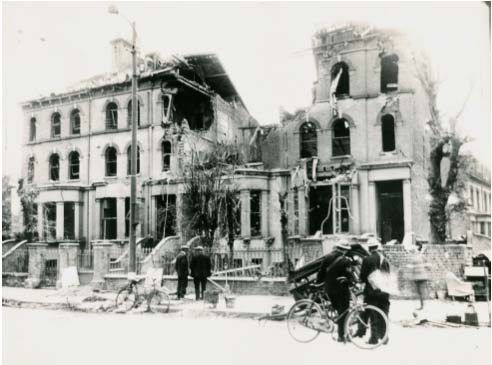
(157, 298)
(307, 318)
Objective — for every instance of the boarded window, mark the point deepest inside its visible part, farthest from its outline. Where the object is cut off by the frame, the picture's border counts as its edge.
(388, 132)
(111, 161)
(166, 155)
(129, 117)
(342, 79)
(129, 161)
(54, 167)
(255, 212)
(55, 125)
(108, 219)
(30, 170)
(73, 165)
(308, 140)
(111, 116)
(389, 73)
(32, 129)
(340, 138)
(75, 121)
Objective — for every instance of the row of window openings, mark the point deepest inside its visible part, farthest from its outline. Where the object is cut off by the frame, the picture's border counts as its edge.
(340, 144)
(111, 121)
(482, 228)
(111, 163)
(49, 220)
(475, 200)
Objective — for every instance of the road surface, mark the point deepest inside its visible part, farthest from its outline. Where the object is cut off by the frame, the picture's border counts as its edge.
(35, 336)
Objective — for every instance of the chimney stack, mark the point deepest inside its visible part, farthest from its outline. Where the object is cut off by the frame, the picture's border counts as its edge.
(121, 53)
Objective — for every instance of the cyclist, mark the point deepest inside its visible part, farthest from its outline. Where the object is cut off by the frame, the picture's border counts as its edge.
(336, 273)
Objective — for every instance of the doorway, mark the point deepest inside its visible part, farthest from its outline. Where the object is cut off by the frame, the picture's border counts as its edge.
(390, 210)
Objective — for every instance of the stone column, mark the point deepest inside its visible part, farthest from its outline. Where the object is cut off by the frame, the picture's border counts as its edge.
(407, 206)
(245, 214)
(96, 220)
(60, 215)
(37, 253)
(264, 213)
(102, 251)
(354, 208)
(40, 222)
(153, 217)
(120, 218)
(67, 257)
(302, 211)
(372, 207)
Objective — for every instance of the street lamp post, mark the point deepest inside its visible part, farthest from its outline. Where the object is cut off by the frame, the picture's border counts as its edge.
(133, 188)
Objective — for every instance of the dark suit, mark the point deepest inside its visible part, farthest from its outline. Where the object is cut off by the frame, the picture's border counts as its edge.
(201, 269)
(337, 291)
(182, 272)
(375, 297)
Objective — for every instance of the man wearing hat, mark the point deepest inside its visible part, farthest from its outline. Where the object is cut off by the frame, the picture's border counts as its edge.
(201, 269)
(182, 271)
(336, 273)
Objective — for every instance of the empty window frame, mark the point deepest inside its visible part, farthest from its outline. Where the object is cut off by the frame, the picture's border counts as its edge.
(167, 115)
(75, 122)
(129, 160)
(340, 138)
(389, 73)
(388, 132)
(255, 212)
(129, 117)
(111, 157)
(340, 75)
(74, 165)
(54, 165)
(49, 221)
(32, 129)
(166, 155)
(308, 140)
(111, 116)
(69, 220)
(30, 170)
(295, 203)
(108, 219)
(55, 125)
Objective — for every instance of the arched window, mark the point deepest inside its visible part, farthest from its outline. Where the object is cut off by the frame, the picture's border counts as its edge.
(111, 116)
(340, 142)
(111, 161)
(73, 165)
(55, 125)
(166, 155)
(340, 76)
(54, 167)
(129, 160)
(130, 113)
(389, 73)
(32, 129)
(75, 122)
(308, 140)
(30, 170)
(388, 132)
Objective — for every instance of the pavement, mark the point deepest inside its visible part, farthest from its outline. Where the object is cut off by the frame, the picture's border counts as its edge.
(246, 306)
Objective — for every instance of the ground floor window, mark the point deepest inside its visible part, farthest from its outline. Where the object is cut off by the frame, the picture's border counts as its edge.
(390, 210)
(255, 212)
(69, 220)
(166, 215)
(49, 221)
(295, 205)
(108, 219)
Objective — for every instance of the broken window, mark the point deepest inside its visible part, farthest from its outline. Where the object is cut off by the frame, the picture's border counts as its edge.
(341, 79)
(73, 165)
(309, 140)
(341, 138)
(69, 220)
(54, 167)
(111, 116)
(167, 115)
(130, 113)
(55, 125)
(49, 221)
(111, 161)
(255, 212)
(192, 108)
(388, 132)
(329, 209)
(166, 215)
(32, 130)
(129, 160)
(108, 219)
(166, 155)
(75, 121)
(389, 73)
(30, 170)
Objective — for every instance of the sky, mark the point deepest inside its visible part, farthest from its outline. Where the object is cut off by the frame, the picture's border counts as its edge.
(264, 46)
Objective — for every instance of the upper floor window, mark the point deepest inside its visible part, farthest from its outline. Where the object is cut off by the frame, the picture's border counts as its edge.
(166, 108)
(73, 165)
(389, 73)
(111, 116)
(129, 162)
(32, 129)
(111, 161)
(340, 79)
(388, 132)
(130, 113)
(75, 122)
(308, 139)
(30, 170)
(55, 125)
(54, 167)
(340, 143)
(166, 155)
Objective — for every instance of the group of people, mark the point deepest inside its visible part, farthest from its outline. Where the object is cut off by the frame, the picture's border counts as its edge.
(199, 268)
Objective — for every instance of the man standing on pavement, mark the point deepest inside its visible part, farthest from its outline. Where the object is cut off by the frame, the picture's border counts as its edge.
(336, 273)
(374, 295)
(182, 271)
(201, 269)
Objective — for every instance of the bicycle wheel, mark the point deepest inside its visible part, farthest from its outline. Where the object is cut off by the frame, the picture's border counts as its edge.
(159, 302)
(367, 327)
(126, 298)
(304, 320)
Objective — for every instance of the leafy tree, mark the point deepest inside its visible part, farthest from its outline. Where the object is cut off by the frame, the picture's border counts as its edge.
(28, 195)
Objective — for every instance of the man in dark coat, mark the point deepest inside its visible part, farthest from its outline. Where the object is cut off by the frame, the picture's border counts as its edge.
(182, 271)
(201, 269)
(374, 296)
(336, 273)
